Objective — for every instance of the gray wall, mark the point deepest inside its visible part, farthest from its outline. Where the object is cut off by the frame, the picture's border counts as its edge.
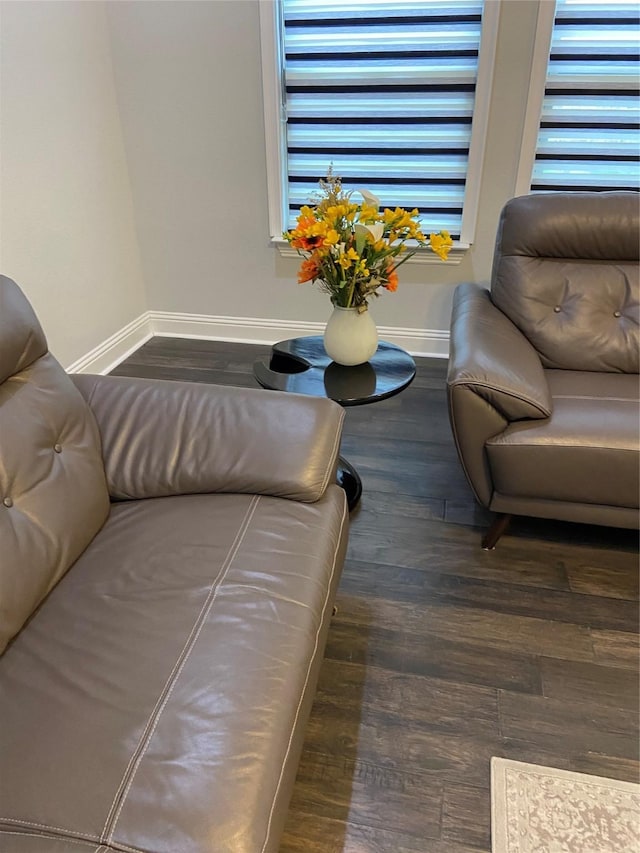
(67, 231)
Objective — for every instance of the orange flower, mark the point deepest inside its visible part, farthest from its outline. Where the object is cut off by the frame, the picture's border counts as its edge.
(392, 280)
(308, 233)
(352, 251)
(308, 270)
(307, 243)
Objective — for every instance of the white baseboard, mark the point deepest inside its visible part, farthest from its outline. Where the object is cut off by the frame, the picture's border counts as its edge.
(115, 349)
(251, 330)
(248, 330)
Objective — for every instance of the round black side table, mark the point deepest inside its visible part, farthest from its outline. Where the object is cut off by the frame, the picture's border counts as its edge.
(302, 366)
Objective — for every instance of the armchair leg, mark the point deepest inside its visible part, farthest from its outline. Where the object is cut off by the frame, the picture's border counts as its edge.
(500, 524)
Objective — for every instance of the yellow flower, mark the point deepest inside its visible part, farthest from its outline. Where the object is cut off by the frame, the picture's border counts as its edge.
(389, 215)
(336, 212)
(347, 258)
(351, 212)
(441, 244)
(398, 218)
(375, 239)
(368, 214)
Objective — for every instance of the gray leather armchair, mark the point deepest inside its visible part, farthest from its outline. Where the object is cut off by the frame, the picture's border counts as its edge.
(543, 371)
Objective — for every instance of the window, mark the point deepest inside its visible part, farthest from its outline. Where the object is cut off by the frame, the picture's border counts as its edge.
(391, 93)
(587, 133)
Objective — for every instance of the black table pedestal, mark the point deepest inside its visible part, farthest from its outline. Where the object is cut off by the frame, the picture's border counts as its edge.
(349, 479)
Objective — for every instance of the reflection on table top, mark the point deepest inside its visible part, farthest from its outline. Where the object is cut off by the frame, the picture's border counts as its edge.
(301, 366)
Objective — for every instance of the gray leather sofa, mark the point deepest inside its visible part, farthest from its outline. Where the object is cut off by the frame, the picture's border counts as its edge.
(169, 553)
(543, 371)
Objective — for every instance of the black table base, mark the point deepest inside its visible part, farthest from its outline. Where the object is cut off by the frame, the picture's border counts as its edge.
(349, 479)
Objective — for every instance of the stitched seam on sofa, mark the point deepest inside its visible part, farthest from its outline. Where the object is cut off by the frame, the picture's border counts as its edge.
(633, 400)
(158, 704)
(19, 822)
(119, 847)
(501, 390)
(561, 501)
(101, 848)
(334, 452)
(163, 697)
(175, 673)
(304, 689)
(50, 837)
(494, 442)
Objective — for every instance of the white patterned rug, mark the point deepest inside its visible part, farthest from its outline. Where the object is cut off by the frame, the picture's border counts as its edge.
(542, 810)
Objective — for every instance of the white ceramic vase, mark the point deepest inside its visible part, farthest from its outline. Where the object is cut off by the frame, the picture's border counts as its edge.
(350, 337)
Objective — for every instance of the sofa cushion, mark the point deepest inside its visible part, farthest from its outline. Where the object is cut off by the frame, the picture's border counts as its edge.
(586, 452)
(22, 340)
(158, 700)
(170, 438)
(566, 273)
(53, 493)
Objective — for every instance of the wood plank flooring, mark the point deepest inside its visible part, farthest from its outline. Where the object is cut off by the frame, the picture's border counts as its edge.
(442, 655)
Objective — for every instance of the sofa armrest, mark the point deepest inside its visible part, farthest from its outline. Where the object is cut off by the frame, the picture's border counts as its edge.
(165, 438)
(491, 356)
(495, 377)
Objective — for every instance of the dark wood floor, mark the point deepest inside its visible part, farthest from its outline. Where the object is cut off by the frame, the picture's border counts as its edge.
(443, 655)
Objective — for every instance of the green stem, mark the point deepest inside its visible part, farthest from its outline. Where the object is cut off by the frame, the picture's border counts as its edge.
(352, 286)
(405, 258)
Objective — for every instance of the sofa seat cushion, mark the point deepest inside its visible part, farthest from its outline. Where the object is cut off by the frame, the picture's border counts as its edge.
(586, 452)
(158, 698)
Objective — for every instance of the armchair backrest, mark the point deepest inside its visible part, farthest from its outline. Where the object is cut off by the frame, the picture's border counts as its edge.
(53, 493)
(566, 273)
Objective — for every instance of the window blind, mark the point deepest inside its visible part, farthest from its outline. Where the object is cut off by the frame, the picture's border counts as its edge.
(382, 90)
(589, 131)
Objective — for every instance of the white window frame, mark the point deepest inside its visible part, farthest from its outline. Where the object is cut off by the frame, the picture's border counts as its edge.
(275, 129)
(535, 96)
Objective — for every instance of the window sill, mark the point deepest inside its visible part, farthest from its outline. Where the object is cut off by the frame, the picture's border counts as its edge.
(422, 255)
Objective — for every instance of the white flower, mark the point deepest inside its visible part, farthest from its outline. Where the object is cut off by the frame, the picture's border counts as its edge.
(370, 198)
(362, 231)
(376, 230)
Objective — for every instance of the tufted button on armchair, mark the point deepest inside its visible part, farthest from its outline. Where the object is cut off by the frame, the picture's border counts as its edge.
(543, 370)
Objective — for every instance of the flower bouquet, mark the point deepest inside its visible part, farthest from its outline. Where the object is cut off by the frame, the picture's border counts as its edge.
(352, 250)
